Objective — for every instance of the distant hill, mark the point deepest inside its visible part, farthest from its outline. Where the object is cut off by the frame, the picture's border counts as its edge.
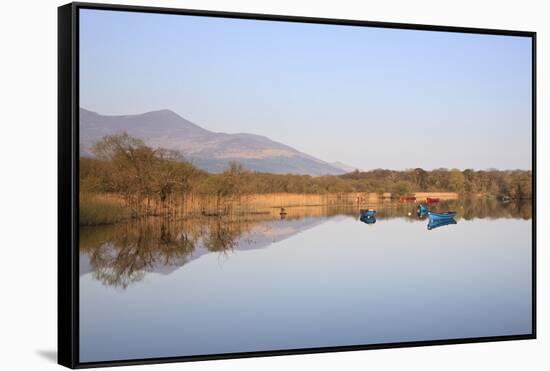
(346, 168)
(207, 150)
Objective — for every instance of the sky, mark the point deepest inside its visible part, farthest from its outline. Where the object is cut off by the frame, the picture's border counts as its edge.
(368, 97)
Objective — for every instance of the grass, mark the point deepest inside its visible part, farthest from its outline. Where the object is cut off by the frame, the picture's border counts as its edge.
(101, 209)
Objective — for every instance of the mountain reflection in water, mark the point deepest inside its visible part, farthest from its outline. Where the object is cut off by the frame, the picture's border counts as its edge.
(121, 254)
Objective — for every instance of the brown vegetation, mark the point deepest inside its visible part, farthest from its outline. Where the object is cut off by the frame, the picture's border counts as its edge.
(422, 196)
(129, 179)
(120, 254)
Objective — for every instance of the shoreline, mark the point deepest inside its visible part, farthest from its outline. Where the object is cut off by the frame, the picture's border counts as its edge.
(103, 209)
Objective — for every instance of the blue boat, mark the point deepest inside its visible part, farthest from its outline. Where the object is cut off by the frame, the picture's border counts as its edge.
(436, 223)
(367, 212)
(441, 216)
(368, 219)
(422, 210)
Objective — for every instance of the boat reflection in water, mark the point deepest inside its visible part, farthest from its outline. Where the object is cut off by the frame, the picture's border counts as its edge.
(368, 219)
(436, 220)
(422, 210)
(436, 223)
(172, 286)
(368, 216)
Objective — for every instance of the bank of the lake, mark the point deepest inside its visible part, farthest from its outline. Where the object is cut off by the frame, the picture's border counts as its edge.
(108, 208)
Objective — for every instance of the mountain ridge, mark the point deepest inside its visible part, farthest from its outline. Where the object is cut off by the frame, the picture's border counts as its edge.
(209, 150)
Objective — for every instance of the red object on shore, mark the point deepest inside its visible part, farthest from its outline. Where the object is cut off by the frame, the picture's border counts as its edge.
(432, 200)
(407, 198)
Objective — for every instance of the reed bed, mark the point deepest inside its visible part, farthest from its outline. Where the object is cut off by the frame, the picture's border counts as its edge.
(110, 208)
(95, 209)
(443, 196)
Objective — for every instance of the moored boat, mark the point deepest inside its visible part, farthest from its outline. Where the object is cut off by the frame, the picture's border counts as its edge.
(432, 200)
(441, 216)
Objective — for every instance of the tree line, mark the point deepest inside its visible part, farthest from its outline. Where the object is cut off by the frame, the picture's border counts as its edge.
(125, 166)
(515, 184)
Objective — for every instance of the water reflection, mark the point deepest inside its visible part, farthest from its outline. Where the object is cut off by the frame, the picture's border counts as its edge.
(422, 211)
(119, 255)
(320, 277)
(368, 219)
(122, 254)
(436, 223)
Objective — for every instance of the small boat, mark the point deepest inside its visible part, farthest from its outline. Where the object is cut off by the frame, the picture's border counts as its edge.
(407, 198)
(422, 210)
(432, 200)
(283, 211)
(441, 216)
(367, 212)
(436, 223)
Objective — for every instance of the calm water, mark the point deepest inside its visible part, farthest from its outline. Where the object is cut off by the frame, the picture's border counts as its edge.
(318, 278)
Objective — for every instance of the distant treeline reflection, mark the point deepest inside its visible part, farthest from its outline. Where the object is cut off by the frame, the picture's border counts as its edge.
(120, 254)
(128, 179)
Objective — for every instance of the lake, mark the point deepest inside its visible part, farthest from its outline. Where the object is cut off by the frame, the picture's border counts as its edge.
(318, 277)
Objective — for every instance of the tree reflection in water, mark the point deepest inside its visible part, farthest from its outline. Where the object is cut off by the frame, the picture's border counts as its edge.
(121, 254)
(222, 237)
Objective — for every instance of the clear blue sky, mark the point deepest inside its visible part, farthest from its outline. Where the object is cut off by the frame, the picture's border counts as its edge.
(369, 97)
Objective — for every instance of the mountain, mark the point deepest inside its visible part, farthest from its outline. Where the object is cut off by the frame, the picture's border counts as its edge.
(206, 149)
(344, 167)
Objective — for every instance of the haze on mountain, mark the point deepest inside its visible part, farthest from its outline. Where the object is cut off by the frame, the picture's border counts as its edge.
(208, 150)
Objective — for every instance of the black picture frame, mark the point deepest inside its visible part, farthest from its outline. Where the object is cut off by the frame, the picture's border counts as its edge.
(68, 188)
